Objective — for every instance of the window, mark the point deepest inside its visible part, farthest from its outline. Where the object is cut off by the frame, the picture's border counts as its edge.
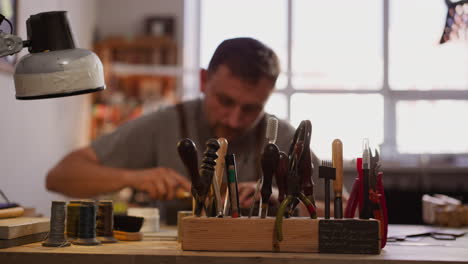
(336, 44)
(262, 19)
(417, 61)
(357, 69)
(437, 124)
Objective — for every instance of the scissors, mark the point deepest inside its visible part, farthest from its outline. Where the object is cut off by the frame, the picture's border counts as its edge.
(437, 235)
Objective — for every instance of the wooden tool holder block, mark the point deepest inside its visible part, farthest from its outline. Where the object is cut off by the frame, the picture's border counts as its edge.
(350, 236)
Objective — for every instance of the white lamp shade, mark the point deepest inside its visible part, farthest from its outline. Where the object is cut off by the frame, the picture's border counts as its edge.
(58, 73)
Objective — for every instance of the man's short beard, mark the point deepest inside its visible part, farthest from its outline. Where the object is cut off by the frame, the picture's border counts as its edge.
(227, 132)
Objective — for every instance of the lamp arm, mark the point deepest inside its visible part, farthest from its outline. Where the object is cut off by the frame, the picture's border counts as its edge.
(10, 44)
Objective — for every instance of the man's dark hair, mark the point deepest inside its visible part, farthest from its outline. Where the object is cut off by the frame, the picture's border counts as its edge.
(247, 59)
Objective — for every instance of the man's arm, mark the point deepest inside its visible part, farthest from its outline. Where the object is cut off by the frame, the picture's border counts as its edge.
(81, 175)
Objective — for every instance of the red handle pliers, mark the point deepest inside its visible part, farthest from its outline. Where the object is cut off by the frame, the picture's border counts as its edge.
(376, 192)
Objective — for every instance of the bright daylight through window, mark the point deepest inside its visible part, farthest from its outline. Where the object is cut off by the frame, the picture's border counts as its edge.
(357, 68)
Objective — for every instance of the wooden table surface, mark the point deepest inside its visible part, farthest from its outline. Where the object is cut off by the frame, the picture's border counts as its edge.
(164, 249)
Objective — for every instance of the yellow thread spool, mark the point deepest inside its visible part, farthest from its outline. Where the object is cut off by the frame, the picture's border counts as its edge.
(73, 216)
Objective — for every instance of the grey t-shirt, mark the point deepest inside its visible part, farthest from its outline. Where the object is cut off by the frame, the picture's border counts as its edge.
(151, 141)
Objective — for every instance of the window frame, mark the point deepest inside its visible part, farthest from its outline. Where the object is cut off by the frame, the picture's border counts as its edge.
(388, 148)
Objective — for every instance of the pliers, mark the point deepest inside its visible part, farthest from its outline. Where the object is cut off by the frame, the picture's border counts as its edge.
(305, 169)
(377, 197)
(299, 146)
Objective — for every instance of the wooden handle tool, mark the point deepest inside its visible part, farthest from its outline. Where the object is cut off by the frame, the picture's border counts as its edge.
(206, 174)
(218, 179)
(11, 212)
(337, 159)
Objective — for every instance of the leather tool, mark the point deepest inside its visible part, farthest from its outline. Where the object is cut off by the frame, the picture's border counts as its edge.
(188, 154)
(257, 190)
(271, 135)
(9, 209)
(377, 196)
(127, 228)
(232, 185)
(218, 179)
(305, 168)
(281, 175)
(435, 233)
(366, 211)
(355, 196)
(295, 180)
(327, 172)
(206, 175)
(337, 158)
(270, 159)
(307, 171)
(227, 204)
(377, 207)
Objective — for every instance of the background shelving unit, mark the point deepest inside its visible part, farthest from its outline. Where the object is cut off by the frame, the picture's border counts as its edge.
(141, 75)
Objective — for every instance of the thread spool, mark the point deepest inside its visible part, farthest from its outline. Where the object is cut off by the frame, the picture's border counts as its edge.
(56, 237)
(105, 222)
(87, 225)
(73, 217)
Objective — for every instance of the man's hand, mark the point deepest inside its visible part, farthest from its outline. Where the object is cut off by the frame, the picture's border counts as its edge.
(160, 183)
(247, 191)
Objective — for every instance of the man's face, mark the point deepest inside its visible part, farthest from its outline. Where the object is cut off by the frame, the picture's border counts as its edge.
(233, 106)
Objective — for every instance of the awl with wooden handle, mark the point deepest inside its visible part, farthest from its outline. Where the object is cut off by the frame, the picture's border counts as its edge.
(337, 159)
(218, 178)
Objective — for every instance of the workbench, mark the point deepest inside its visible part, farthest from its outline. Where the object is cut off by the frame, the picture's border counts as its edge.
(165, 249)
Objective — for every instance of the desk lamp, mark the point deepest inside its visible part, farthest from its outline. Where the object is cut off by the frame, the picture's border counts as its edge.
(54, 67)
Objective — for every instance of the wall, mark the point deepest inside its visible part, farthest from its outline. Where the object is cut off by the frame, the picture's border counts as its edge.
(34, 135)
(111, 12)
(191, 47)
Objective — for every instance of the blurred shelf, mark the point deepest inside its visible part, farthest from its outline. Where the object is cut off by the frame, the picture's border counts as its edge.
(141, 75)
(123, 69)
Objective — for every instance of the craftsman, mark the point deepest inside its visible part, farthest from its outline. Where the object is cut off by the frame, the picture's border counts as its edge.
(142, 153)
